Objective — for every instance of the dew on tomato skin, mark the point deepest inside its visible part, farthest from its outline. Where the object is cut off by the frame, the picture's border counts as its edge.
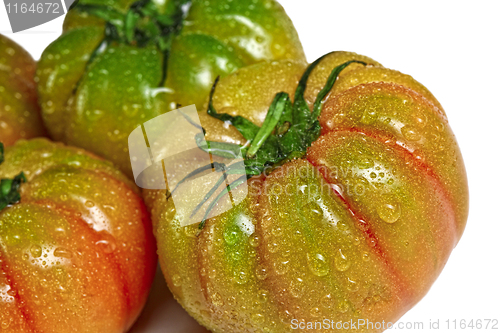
(317, 264)
(261, 273)
(273, 246)
(352, 285)
(420, 119)
(36, 251)
(231, 235)
(216, 299)
(258, 318)
(262, 296)
(277, 231)
(410, 133)
(61, 252)
(342, 226)
(191, 230)
(236, 255)
(6, 323)
(369, 116)
(327, 301)
(254, 240)
(342, 264)
(212, 273)
(281, 266)
(240, 277)
(177, 280)
(343, 306)
(389, 211)
(365, 162)
(107, 245)
(94, 115)
(440, 127)
(315, 312)
(297, 287)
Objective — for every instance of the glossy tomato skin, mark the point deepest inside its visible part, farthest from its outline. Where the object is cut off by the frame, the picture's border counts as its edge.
(76, 253)
(96, 105)
(359, 228)
(19, 112)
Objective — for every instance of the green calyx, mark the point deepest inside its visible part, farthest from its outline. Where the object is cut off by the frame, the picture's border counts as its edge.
(9, 188)
(143, 23)
(287, 131)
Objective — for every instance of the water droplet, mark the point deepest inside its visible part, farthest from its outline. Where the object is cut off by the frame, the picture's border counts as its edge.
(390, 211)
(317, 264)
(273, 246)
(365, 256)
(261, 273)
(176, 280)
(240, 277)
(36, 251)
(61, 252)
(352, 285)
(94, 115)
(131, 110)
(212, 273)
(365, 162)
(369, 116)
(262, 296)
(254, 240)
(327, 301)
(107, 245)
(410, 133)
(191, 230)
(236, 255)
(315, 312)
(297, 287)
(258, 318)
(286, 317)
(277, 231)
(89, 204)
(6, 323)
(341, 262)
(281, 267)
(217, 299)
(231, 235)
(420, 119)
(343, 306)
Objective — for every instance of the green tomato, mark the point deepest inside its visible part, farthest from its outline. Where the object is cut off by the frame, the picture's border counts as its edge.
(121, 63)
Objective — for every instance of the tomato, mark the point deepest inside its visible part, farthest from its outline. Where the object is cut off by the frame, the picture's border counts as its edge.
(76, 251)
(355, 221)
(121, 63)
(19, 112)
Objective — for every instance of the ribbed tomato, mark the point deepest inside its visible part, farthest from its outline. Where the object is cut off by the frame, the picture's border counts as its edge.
(76, 251)
(359, 206)
(19, 112)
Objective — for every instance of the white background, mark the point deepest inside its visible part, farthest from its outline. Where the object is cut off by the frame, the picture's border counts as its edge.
(453, 48)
